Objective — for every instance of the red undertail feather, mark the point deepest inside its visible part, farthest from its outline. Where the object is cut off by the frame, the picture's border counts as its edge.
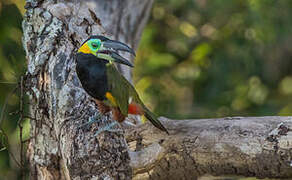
(135, 109)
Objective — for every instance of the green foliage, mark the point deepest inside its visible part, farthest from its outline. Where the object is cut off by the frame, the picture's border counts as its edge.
(12, 65)
(217, 58)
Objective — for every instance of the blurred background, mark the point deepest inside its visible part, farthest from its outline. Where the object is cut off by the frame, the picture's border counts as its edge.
(196, 59)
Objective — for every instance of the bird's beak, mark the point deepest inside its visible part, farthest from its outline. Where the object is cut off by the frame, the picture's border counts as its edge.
(108, 51)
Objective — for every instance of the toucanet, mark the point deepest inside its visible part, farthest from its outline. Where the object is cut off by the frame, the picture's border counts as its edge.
(102, 81)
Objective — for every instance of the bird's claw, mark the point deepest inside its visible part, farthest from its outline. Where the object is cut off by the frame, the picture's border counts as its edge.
(91, 120)
(109, 128)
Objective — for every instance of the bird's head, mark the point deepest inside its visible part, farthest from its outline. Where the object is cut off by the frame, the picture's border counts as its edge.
(104, 48)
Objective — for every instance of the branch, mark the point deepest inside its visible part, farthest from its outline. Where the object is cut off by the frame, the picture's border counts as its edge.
(248, 146)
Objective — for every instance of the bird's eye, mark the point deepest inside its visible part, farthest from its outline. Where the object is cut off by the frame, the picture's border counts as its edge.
(94, 45)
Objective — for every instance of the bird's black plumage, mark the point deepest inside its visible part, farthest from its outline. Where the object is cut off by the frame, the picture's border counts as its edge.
(92, 74)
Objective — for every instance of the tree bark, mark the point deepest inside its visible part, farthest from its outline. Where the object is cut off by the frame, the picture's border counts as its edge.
(53, 30)
(252, 146)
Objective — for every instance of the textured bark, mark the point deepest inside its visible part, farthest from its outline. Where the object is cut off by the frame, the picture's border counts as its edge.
(53, 30)
(251, 146)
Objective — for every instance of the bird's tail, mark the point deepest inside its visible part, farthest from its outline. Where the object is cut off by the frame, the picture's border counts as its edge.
(153, 119)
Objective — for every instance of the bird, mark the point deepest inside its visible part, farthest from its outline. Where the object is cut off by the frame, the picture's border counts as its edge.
(100, 79)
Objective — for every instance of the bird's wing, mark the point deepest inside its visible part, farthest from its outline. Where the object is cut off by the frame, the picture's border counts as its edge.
(119, 88)
(122, 90)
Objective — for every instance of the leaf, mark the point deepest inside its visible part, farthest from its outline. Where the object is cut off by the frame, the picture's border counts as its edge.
(3, 142)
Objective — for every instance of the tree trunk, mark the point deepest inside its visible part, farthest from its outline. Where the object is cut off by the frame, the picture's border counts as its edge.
(53, 30)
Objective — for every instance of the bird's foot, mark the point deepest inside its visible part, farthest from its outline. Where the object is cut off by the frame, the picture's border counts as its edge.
(105, 127)
(91, 120)
(109, 128)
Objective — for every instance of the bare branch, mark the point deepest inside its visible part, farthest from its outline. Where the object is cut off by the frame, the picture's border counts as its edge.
(251, 146)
